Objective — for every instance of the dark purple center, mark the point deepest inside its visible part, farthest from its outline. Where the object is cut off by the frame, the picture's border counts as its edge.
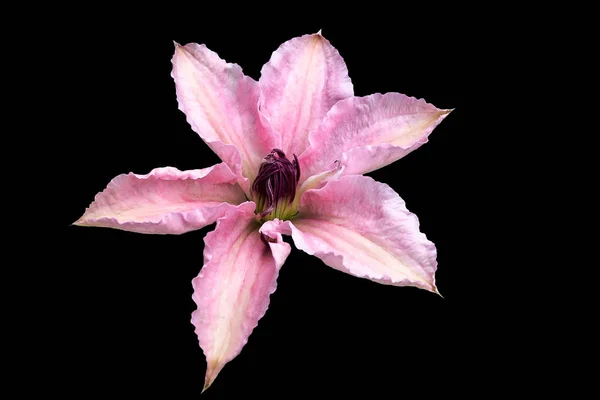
(275, 183)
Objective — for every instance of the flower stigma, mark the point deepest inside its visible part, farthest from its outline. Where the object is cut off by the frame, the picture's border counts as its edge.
(274, 188)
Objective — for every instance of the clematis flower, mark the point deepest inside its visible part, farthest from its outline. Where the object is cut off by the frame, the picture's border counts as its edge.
(294, 146)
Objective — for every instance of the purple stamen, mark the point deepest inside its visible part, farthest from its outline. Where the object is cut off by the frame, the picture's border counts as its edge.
(276, 180)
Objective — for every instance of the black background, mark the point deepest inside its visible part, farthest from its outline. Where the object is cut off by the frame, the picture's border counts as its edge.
(125, 299)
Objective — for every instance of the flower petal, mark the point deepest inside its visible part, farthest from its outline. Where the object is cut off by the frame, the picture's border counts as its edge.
(367, 133)
(305, 77)
(232, 290)
(362, 227)
(164, 201)
(221, 105)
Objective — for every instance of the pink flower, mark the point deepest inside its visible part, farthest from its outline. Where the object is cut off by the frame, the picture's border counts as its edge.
(295, 146)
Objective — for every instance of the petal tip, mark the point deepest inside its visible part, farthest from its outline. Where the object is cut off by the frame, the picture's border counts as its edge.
(319, 33)
(179, 48)
(79, 222)
(434, 289)
(207, 384)
(211, 373)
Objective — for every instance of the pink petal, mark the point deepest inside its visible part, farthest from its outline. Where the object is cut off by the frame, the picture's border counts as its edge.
(165, 201)
(362, 227)
(232, 290)
(305, 77)
(367, 133)
(221, 105)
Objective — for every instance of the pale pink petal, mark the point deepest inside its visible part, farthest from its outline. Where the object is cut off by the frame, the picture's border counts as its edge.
(232, 290)
(165, 201)
(367, 133)
(305, 77)
(318, 181)
(221, 105)
(362, 227)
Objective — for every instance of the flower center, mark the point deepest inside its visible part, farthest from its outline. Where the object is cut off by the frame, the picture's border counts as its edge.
(274, 188)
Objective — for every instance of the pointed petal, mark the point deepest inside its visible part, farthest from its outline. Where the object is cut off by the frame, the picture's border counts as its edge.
(221, 105)
(232, 290)
(367, 133)
(362, 227)
(165, 201)
(305, 77)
